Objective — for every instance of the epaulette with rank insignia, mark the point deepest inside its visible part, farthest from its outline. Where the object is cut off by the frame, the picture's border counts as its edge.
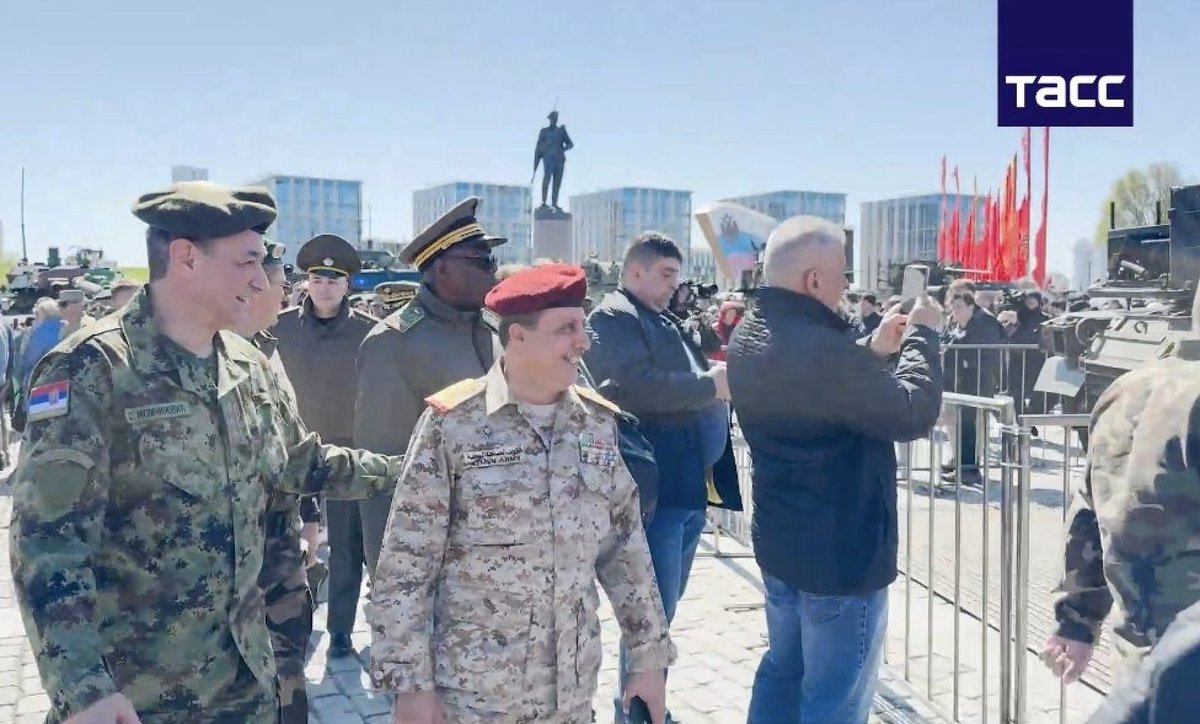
(456, 394)
(406, 318)
(599, 399)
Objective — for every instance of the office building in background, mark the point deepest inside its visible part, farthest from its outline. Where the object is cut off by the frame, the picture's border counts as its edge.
(309, 206)
(900, 231)
(606, 221)
(504, 210)
(782, 205)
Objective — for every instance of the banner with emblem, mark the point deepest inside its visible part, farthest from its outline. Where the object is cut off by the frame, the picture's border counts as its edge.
(735, 234)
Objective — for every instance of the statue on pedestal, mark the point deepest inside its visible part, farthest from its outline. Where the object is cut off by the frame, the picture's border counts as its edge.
(551, 151)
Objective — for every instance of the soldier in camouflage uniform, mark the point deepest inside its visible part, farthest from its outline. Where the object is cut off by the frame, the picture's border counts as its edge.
(1133, 529)
(514, 500)
(154, 442)
(283, 579)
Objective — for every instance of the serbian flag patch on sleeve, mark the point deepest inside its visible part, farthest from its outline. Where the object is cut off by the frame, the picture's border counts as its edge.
(52, 399)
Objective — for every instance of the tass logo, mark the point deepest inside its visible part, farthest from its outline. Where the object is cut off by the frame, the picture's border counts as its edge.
(1065, 63)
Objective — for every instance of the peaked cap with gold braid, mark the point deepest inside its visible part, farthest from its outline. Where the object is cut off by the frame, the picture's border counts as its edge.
(454, 227)
(328, 255)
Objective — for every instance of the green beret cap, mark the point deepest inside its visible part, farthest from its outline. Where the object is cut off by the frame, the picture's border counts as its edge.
(205, 210)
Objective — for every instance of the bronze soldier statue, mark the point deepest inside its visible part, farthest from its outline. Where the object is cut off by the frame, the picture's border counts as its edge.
(552, 146)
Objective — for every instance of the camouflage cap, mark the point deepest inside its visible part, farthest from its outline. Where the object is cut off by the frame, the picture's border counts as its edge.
(72, 296)
(205, 210)
(274, 253)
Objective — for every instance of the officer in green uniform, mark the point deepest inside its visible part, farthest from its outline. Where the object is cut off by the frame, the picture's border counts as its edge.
(439, 338)
(283, 579)
(318, 341)
(155, 439)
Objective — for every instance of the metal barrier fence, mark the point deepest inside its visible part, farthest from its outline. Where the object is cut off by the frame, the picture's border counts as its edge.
(980, 554)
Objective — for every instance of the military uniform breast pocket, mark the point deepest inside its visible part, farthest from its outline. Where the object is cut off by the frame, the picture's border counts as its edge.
(497, 497)
(176, 464)
(595, 498)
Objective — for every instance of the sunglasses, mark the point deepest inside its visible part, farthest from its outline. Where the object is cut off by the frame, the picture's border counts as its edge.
(484, 262)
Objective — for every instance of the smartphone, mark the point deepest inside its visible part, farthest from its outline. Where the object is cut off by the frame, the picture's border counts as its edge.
(915, 283)
(639, 713)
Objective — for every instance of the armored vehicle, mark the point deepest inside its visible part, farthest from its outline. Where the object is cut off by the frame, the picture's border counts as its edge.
(1145, 306)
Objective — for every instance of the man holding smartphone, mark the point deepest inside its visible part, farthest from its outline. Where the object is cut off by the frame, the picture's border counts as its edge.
(821, 413)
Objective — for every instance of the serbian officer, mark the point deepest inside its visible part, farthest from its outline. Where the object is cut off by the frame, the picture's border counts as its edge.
(513, 501)
(283, 579)
(155, 439)
(318, 341)
(438, 339)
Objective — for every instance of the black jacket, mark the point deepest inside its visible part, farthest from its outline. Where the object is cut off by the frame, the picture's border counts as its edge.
(636, 359)
(821, 414)
(974, 371)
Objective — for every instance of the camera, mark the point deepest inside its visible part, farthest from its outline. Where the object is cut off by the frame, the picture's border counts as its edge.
(688, 298)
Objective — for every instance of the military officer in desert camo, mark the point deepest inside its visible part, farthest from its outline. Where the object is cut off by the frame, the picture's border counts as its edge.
(155, 439)
(513, 501)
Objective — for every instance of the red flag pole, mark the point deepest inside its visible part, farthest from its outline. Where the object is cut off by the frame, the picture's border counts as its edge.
(1039, 245)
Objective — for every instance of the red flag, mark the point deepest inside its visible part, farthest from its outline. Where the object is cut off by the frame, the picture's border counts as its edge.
(952, 240)
(1000, 262)
(942, 246)
(968, 241)
(1023, 214)
(1039, 245)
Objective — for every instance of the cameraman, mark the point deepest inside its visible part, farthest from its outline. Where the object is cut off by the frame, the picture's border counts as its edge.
(1022, 318)
(686, 306)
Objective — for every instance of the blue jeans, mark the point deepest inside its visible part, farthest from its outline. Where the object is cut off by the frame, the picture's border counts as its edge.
(822, 663)
(673, 535)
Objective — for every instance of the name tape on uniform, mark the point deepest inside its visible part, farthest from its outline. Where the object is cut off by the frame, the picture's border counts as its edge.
(161, 411)
(52, 399)
(506, 455)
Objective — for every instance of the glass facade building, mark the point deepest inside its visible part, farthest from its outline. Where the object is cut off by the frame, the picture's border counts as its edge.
(503, 211)
(606, 221)
(782, 205)
(310, 206)
(903, 230)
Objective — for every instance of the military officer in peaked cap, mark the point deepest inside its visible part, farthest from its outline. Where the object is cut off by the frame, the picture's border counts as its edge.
(513, 502)
(318, 341)
(155, 439)
(437, 339)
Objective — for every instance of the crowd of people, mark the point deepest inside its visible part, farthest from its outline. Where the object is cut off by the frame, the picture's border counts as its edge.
(482, 457)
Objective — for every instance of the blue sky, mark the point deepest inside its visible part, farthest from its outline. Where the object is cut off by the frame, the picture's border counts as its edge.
(98, 100)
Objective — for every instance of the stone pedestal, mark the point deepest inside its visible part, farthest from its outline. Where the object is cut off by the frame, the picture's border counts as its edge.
(552, 235)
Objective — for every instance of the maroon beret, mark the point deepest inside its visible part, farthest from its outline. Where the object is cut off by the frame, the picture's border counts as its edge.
(538, 288)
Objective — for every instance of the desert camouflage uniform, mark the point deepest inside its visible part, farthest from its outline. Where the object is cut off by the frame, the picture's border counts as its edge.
(284, 580)
(486, 584)
(1133, 530)
(137, 530)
